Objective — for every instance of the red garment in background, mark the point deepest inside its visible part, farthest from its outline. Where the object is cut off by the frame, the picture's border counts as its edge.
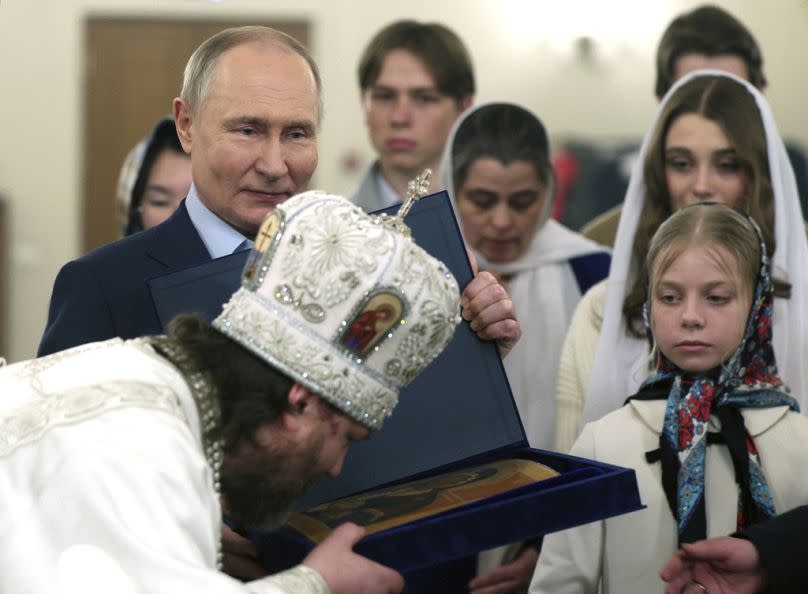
(566, 167)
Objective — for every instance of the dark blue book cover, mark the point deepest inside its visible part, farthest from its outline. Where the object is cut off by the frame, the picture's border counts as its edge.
(459, 407)
(459, 412)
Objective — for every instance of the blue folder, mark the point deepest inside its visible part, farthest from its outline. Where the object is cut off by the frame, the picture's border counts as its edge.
(459, 412)
(202, 289)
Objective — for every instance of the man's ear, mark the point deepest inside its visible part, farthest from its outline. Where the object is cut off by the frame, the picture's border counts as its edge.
(183, 120)
(299, 398)
(300, 403)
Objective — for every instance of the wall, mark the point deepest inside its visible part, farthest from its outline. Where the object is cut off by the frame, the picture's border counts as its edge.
(523, 51)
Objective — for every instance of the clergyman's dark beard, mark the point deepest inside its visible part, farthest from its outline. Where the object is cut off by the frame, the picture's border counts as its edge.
(262, 499)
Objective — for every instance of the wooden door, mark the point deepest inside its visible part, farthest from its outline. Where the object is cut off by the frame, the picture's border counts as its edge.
(133, 71)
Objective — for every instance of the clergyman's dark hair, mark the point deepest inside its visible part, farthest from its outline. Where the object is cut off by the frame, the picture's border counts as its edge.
(251, 392)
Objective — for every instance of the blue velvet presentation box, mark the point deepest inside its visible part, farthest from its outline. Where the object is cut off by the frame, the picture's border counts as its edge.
(458, 413)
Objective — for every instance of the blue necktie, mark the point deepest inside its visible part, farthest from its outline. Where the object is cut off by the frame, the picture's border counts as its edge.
(244, 245)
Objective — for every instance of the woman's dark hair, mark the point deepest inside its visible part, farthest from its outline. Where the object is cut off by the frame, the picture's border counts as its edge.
(250, 391)
(730, 105)
(505, 132)
(163, 138)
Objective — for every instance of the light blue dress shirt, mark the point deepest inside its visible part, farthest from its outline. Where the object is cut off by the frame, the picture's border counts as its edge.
(220, 238)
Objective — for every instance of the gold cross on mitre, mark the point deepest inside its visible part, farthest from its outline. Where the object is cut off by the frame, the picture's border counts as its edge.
(267, 231)
(416, 189)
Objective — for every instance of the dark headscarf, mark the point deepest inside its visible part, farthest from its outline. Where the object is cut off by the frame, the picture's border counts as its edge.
(136, 170)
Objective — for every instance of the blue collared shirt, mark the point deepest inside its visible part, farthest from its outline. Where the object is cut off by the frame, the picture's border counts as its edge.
(219, 237)
(387, 195)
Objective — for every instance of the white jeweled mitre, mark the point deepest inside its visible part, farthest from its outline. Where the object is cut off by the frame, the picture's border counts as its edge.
(343, 302)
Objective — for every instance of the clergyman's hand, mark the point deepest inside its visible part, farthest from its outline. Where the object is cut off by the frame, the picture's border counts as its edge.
(346, 572)
(240, 557)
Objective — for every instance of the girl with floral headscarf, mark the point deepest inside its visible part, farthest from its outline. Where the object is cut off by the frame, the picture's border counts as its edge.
(713, 434)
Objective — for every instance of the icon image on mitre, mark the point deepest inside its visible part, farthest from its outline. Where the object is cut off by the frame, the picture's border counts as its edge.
(382, 312)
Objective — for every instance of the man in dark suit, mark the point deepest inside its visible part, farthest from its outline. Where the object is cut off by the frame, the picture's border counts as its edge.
(248, 115)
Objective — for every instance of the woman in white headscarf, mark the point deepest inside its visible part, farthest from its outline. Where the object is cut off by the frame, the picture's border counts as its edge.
(496, 166)
(605, 355)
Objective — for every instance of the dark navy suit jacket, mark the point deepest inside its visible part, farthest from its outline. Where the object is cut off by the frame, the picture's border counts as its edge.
(104, 294)
(783, 548)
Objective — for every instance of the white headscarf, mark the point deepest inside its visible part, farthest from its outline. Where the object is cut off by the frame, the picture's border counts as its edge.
(126, 180)
(544, 292)
(621, 360)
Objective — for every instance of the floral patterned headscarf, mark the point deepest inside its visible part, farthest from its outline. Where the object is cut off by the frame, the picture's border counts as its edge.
(748, 379)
